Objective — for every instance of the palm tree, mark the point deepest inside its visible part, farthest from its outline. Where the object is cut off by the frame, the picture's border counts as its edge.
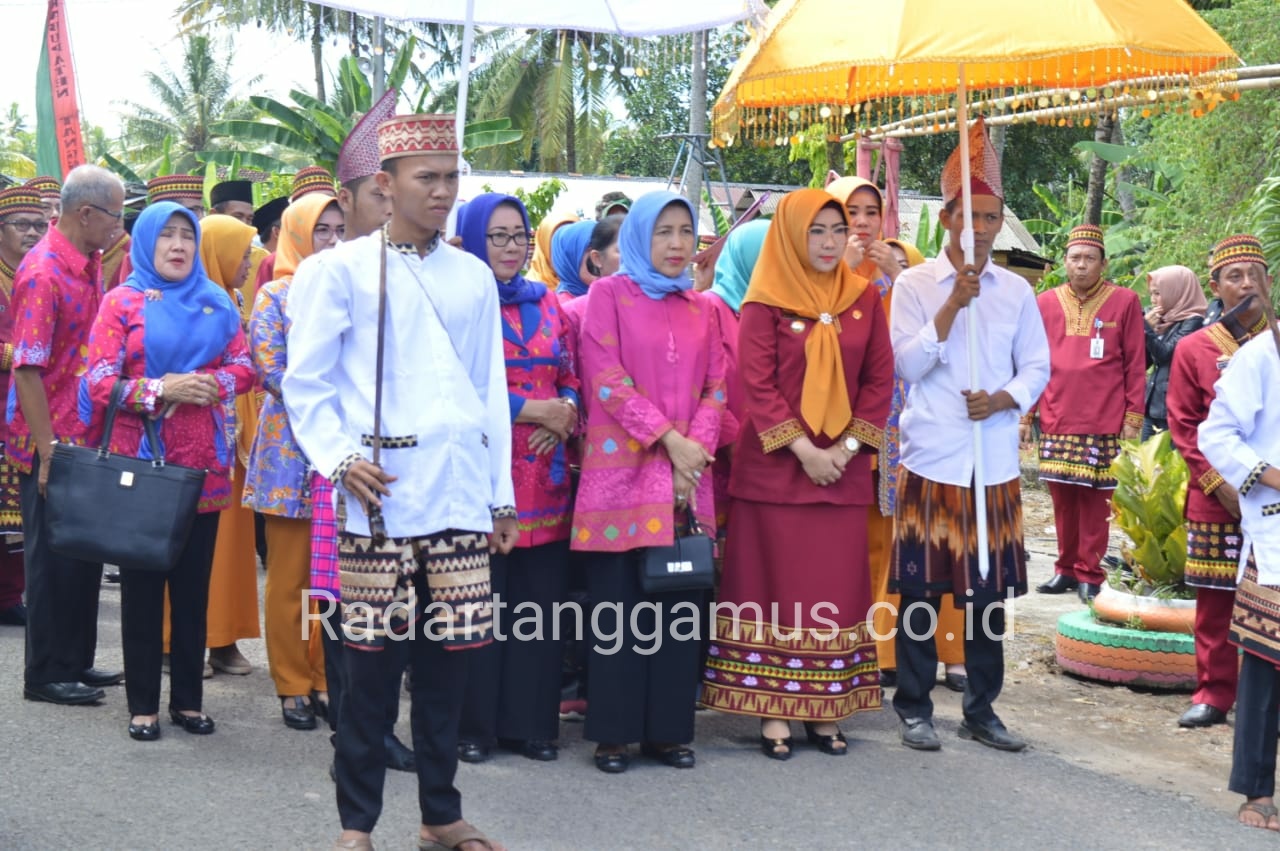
(191, 102)
(555, 86)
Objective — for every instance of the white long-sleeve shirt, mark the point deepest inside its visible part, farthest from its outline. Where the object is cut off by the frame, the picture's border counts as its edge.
(1241, 438)
(937, 434)
(446, 423)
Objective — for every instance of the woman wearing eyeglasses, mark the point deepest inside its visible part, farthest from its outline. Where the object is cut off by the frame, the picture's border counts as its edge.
(816, 366)
(513, 688)
(278, 477)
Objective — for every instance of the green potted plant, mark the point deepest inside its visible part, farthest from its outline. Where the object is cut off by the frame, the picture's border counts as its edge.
(1138, 630)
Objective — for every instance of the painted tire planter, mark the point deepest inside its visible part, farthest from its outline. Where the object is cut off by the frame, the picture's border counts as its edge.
(1121, 607)
(1112, 654)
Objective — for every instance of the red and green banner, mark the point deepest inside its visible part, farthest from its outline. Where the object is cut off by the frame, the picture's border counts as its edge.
(59, 146)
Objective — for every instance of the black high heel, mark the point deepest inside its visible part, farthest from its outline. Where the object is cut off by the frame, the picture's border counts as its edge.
(200, 725)
(827, 744)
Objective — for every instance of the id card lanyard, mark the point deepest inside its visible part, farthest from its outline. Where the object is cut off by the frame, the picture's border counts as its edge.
(1096, 344)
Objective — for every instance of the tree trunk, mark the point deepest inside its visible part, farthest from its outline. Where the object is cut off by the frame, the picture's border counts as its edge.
(1124, 174)
(999, 133)
(571, 134)
(835, 158)
(694, 170)
(1098, 173)
(317, 45)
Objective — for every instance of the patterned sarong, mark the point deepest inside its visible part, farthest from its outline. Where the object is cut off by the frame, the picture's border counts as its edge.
(935, 542)
(382, 587)
(10, 510)
(1079, 459)
(1213, 554)
(1255, 620)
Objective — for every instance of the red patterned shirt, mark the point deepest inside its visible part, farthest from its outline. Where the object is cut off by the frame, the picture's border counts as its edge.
(55, 298)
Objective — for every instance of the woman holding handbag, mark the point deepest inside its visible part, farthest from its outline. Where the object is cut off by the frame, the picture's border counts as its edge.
(653, 366)
(173, 339)
(816, 366)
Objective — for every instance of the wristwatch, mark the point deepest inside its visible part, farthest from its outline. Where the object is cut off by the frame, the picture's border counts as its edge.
(852, 445)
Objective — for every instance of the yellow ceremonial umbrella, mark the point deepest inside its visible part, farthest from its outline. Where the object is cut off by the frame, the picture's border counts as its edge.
(821, 61)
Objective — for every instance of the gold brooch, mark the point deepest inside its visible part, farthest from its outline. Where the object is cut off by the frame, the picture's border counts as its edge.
(857, 314)
(797, 326)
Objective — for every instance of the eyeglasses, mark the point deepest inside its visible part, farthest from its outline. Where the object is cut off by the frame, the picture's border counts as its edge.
(819, 232)
(115, 214)
(37, 225)
(501, 239)
(327, 232)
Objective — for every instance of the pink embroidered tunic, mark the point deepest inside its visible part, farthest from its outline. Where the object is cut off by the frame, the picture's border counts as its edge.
(193, 436)
(649, 366)
(539, 366)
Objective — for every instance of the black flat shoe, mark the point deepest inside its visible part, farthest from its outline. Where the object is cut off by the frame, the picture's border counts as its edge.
(65, 694)
(299, 716)
(956, 682)
(95, 678)
(993, 735)
(473, 753)
(1089, 590)
(614, 762)
(200, 725)
(676, 756)
(833, 745)
(399, 757)
(144, 732)
(779, 749)
(321, 707)
(538, 750)
(1059, 584)
(1202, 715)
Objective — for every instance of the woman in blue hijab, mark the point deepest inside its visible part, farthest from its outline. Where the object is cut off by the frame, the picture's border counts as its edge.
(513, 689)
(569, 247)
(172, 338)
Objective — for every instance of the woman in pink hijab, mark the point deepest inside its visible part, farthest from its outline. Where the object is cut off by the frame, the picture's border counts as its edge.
(1177, 308)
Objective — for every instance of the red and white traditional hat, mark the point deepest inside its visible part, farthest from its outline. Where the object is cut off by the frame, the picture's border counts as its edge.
(176, 187)
(410, 135)
(359, 155)
(20, 199)
(984, 167)
(313, 178)
(48, 187)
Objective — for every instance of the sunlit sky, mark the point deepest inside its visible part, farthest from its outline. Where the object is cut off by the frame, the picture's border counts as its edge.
(115, 42)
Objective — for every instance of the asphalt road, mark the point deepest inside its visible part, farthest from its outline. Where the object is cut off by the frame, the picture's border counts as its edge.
(74, 779)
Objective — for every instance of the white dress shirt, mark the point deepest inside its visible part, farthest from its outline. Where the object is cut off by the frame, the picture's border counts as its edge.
(446, 422)
(1241, 438)
(937, 434)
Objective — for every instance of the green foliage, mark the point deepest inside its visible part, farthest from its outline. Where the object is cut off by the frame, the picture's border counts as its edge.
(718, 215)
(811, 149)
(540, 200)
(1148, 503)
(930, 234)
(1264, 220)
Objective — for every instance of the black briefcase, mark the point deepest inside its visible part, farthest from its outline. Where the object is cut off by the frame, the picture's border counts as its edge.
(113, 509)
(688, 564)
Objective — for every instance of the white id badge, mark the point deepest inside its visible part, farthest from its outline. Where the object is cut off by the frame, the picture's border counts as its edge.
(1095, 348)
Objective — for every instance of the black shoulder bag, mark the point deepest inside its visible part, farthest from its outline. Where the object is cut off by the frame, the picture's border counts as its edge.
(687, 564)
(114, 509)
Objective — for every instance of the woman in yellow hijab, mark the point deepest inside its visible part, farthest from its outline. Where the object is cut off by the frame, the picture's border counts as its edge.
(540, 268)
(278, 478)
(233, 581)
(817, 372)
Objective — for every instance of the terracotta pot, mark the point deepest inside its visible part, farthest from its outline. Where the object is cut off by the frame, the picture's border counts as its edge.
(1155, 615)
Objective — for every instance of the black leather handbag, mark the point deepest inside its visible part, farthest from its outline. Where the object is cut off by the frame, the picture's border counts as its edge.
(688, 564)
(113, 509)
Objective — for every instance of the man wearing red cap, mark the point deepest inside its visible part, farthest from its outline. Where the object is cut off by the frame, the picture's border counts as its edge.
(419, 527)
(22, 224)
(1213, 504)
(1094, 400)
(929, 330)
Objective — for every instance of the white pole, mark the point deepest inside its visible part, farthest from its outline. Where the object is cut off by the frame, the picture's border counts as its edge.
(464, 71)
(971, 328)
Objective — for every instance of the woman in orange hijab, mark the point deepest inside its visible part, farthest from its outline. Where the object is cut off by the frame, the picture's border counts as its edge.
(279, 476)
(817, 373)
(541, 268)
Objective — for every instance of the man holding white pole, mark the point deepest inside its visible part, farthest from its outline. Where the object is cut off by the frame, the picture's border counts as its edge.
(937, 546)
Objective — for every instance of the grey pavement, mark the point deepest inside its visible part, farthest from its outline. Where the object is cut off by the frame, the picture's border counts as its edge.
(73, 779)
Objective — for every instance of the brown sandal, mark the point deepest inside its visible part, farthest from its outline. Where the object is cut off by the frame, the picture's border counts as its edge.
(1267, 811)
(451, 838)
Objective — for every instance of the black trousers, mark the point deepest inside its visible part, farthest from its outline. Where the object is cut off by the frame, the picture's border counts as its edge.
(62, 598)
(142, 624)
(439, 679)
(1253, 756)
(634, 697)
(918, 659)
(513, 685)
(335, 671)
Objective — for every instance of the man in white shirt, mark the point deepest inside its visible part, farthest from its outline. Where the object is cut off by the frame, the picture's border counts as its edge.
(935, 543)
(415, 530)
(1241, 439)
